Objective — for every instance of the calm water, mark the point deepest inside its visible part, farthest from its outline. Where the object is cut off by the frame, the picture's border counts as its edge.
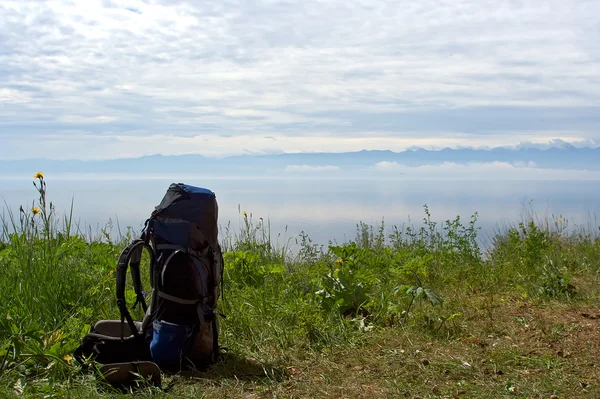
(325, 209)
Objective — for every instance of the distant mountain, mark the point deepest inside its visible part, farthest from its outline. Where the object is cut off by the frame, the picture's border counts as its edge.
(361, 162)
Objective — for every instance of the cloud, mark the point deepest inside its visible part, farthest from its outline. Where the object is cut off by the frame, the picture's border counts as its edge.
(483, 171)
(449, 167)
(386, 166)
(79, 119)
(13, 96)
(560, 143)
(311, 168)
(458, 72)
(523, 164)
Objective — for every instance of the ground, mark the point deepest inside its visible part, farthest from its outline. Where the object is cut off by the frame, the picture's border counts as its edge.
(516, 349)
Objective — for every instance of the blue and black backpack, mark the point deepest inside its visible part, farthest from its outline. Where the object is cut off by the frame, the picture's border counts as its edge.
(179, 331)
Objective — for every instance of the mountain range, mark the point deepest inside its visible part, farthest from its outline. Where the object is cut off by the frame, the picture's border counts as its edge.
(565, 157)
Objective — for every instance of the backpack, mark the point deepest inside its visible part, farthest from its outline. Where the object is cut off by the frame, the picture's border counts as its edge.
(179, 331)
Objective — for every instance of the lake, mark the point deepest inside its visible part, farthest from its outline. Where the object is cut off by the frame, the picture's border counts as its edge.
(326, 209)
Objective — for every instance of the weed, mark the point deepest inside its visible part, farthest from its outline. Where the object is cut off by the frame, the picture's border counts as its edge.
(556, 282)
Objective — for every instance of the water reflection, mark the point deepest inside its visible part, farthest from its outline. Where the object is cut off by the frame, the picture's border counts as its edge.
(325, 209)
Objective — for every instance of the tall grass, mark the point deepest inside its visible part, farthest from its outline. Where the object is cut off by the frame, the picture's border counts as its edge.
(55, 283)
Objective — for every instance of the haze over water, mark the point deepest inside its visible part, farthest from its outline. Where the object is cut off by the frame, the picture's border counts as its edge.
(325, 208)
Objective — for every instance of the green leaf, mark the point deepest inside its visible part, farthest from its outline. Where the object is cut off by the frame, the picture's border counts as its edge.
(434, 298)
(276, 268)
(54, 350)
(419, 292)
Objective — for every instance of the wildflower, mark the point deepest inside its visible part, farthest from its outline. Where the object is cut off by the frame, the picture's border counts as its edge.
(339, 261)
(68, 359)
(35, 210)
(38, 175)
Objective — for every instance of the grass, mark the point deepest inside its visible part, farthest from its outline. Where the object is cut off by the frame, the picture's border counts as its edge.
(422, 312)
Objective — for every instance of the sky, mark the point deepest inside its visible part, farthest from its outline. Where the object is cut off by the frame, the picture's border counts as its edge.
(113, 79)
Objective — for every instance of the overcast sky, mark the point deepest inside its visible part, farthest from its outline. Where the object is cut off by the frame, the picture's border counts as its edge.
(105, 79)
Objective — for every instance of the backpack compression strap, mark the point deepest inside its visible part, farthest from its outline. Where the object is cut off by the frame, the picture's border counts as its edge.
(130, 257)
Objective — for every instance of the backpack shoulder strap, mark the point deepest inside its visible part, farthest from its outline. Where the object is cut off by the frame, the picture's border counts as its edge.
(130, 257)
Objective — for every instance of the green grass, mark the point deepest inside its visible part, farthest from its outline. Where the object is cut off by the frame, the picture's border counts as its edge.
(422, 312)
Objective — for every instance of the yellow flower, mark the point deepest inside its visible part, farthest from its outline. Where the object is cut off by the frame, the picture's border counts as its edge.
(68, 359)
(38, 175)
(35, 210)
(339, 261)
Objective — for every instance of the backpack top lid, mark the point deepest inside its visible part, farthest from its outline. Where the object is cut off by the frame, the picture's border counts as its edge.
(193, 205)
